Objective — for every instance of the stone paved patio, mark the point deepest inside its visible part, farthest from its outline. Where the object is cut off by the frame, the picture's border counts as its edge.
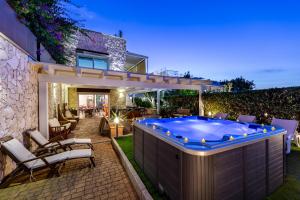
(77, 181)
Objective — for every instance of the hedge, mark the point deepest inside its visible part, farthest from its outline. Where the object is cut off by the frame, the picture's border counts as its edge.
(264, 104)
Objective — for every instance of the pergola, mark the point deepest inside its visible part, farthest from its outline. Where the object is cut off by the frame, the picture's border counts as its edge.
(55, 73)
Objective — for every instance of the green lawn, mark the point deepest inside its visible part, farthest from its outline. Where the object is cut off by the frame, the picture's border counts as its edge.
(291, 188)
(289, 191)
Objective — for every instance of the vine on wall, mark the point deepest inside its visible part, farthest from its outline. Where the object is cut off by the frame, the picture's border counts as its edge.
(50, 22)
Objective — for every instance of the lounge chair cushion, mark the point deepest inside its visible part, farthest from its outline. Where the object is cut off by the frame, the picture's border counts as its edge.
(66, 155)
(42, 140)
(246, 118)
(17, 149)
(289, 125)
(71, 141)
(221, 115)
(38, 137)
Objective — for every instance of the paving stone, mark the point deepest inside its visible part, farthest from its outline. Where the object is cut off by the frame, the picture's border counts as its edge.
(108, 180)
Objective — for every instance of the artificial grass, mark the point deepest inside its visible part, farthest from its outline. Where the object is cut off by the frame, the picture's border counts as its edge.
(289, 191)
(126, 144)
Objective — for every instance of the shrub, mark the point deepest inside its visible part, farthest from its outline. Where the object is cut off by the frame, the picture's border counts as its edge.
(142, 103)
(279, 102)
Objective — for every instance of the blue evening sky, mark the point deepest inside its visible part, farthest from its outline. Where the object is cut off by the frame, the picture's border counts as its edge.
(216, 39)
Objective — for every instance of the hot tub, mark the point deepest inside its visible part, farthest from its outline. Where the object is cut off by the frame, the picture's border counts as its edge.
(203, 158)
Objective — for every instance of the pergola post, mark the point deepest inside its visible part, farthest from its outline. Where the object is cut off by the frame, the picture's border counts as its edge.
(43, 108)
(158, 102)
(201, 106)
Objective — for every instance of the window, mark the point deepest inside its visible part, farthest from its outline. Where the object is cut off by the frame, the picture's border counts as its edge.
(92, 62)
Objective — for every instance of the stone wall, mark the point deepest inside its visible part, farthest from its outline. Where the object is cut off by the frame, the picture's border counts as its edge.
(117, 99)
(57, 94)
(114, 47)
(73, 98)
(18, 96)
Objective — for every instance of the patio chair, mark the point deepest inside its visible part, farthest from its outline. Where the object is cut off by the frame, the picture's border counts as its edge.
(29, 163)
(246, 118)
(69, 115)
(290, 126)
(57, 142)
(61, 117)
(104, 127)
(182, 112)
(221, 115)
(62, 128)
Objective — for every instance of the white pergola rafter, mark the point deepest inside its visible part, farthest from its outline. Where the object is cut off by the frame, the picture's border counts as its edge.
(55, 73)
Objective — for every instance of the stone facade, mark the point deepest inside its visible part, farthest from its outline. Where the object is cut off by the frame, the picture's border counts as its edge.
(72, 97)
(57, 94)
(113, 47)
(18, 95)
(117, 99)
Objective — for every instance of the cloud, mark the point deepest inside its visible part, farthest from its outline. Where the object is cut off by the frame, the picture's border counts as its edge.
(272, 70)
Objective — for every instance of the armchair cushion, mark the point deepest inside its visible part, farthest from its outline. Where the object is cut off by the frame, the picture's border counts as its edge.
(54, 122)
(67, 125)
(68, 114)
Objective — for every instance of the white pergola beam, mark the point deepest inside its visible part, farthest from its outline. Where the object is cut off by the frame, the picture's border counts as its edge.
(112, 82)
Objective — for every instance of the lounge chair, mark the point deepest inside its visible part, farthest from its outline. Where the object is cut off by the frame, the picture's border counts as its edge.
(57, 142)
(62, 128)
(246, 118)
(68, 113)
(221, 115)
(61, 117)
(290, 126)
(28, 162)
(182, 112)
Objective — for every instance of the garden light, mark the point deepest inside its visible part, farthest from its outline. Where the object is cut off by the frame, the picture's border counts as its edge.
(185, 139)
(168, 133)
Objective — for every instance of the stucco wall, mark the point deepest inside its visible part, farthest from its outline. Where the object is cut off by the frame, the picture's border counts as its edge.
(19, 33)
(18, 96)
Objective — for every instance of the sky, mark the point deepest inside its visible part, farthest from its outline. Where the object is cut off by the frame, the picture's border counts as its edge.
(214, 39)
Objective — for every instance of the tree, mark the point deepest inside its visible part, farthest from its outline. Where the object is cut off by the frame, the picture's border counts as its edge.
(238, 85)
(187, 74)
(50, 23)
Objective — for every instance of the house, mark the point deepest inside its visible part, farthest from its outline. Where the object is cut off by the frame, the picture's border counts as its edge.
(101, 69)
